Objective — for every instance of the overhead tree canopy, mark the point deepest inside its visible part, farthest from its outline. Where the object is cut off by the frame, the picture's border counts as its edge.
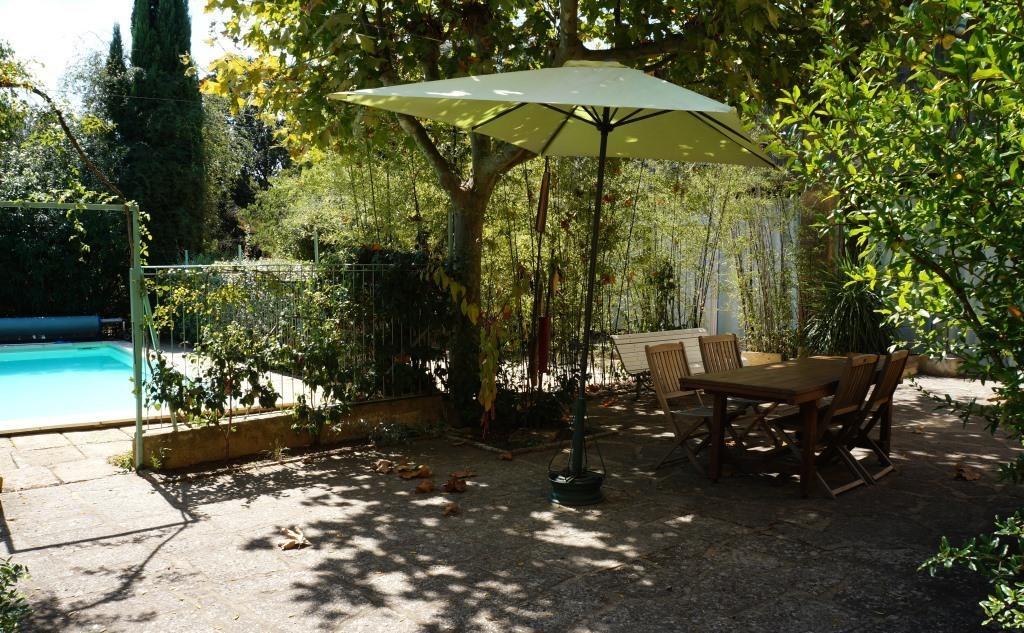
(303, 51)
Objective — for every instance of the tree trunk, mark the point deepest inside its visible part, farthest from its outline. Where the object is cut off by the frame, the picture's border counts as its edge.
(464, 266)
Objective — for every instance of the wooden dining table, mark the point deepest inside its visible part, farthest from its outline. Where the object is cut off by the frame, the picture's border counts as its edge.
(796, 382)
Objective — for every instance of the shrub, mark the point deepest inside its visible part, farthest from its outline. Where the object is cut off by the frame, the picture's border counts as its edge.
(999, 557)
(13, 606)
(915, 140)
(845, 315)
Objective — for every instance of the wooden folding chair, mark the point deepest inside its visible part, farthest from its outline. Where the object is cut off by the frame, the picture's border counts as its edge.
(843, 414)
(878, 407)
(668, 363)
(722, 353)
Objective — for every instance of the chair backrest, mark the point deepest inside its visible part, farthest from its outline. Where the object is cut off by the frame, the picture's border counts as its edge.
(630, 347)
(720, 353)
(668, 364)
(858, 375)
(889, 378)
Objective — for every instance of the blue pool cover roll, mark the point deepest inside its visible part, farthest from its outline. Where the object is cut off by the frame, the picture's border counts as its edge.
(54, 328)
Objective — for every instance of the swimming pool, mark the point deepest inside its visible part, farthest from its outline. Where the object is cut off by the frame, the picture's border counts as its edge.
(64, 385)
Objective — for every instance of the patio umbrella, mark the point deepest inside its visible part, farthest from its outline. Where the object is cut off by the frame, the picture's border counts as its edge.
(597, 109)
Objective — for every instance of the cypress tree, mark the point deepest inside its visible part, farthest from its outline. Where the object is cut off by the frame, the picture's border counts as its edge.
(115, 84)
(162, 128)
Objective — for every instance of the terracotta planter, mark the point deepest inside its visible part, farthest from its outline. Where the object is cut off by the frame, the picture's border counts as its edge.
(760, 358)
(942, 367)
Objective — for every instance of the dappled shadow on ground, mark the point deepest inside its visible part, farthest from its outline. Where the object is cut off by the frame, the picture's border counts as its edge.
(665, 551)
(92, 548)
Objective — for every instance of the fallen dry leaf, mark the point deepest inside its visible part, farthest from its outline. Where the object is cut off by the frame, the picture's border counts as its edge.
(455, 485)
(609, 402)
(427, 485)
(295, 539)
(919, 430)
(420, 473)
(965, 472)
(384, 466)
(452, 509)
(505, 457)
(405, 466)
(462, 474)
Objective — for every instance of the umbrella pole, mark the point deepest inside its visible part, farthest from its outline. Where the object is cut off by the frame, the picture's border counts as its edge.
(577, 454)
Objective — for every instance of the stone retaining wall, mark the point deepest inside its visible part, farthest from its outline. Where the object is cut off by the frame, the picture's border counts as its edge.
(266, 432)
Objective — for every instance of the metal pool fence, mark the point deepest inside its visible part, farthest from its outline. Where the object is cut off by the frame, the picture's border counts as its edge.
(392, 320)
(393, 343)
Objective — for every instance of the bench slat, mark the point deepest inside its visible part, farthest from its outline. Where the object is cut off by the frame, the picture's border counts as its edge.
(665, 336)
(630, 347)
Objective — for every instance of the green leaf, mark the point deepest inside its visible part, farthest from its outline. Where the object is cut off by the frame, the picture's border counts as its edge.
(987, 73)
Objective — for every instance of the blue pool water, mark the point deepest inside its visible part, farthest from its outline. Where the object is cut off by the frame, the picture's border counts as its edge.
(65, 383)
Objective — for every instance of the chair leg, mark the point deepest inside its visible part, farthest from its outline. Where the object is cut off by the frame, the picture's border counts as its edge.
(736, 436)
(860, 476)
(791, 442)
(688, 454)
(779, 432)
(760, 418)
(824, 484)
(883, 460)
(776, 442)
(693, 460)
(665, 459)
(885, 431)
(848, 460)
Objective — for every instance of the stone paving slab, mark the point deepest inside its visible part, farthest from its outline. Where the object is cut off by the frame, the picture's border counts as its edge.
(99, 436)
(29, 477)
(666, 551)
(41, 440)
(47, 459)
(81, 470)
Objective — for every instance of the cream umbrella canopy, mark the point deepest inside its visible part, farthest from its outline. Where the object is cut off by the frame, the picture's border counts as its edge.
(563, 111)
(597, 109)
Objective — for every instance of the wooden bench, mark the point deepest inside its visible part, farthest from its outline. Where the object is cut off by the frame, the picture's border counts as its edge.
(630, 350)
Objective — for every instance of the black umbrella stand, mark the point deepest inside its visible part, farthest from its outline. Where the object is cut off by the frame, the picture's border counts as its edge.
(577, 485)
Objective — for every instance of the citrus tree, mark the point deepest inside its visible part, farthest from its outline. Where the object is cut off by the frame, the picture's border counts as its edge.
(917, 139)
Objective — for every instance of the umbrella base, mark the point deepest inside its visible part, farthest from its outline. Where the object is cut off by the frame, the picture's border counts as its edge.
(581, 490)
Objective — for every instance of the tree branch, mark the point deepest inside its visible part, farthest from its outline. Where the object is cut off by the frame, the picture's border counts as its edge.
(411, 126)
(480, 149)
(569, 45)
(443, 169)
(642, 51)
(428, 36)
(954, 285)
(503, 159)
(91, 166)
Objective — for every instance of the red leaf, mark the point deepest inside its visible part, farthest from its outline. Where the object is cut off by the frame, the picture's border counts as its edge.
(455, 485)
(427, 485)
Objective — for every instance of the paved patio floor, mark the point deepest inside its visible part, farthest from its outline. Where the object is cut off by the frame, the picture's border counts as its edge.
(665, 552)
